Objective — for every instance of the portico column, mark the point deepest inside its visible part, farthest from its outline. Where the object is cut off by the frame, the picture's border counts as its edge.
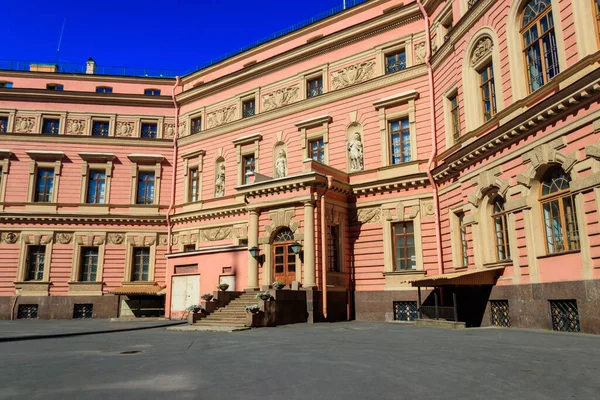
(309, 245)
(252, 242)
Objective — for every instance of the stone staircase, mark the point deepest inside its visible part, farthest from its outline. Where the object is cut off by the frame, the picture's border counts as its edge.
(232, 315)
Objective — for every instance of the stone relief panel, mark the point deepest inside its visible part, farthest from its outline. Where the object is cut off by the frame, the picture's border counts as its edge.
(280, 98)
(163, 240)
(24, 124)
(216, 234)
(116, 238)
(420, 53)
(89, 239)
(169, 130)
(281, 218)
(398, 212)
(64, 238)
(220, 117)
(482, 49)
(125, 129)
(75, 127)
(352, 74)
(9, 237)
(354, 147)
(368, 215)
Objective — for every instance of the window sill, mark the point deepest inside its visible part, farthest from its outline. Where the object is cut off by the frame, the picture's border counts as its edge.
(405, 272)
(32, 288)
(78, 288)
(562, 253)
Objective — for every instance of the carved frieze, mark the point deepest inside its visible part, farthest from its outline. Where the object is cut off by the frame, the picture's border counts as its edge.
(420, 53)
(368, 215)
(24, 124)
(280, 98)
(116, 238)
(220, 117)
(482, 49)
(219, 233)
(64, 238)
(75, 126)
(163, 240)
(9, 237)
(125, 129)
(281, 218)
(352, 74)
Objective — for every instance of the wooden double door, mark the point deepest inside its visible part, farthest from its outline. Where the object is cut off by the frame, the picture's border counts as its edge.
(284, 262)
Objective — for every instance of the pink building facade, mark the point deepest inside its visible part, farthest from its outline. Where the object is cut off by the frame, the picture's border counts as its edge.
(446, 145)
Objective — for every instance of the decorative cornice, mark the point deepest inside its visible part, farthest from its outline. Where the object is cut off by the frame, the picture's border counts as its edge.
(316, 121)
(82, 219)
(88, 156)
(148, 158)
(193, 154)
(5, 153)
(87, 140)
(211, 213)
(45, 154)
(391, 184)
(247, 139)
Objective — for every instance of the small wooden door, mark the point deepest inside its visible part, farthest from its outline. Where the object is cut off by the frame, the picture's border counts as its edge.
(284, 259)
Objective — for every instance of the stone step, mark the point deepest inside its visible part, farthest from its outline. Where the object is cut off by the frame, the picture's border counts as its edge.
(219, 323)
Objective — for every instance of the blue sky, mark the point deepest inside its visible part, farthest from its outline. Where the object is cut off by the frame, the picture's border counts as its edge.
(150, 34)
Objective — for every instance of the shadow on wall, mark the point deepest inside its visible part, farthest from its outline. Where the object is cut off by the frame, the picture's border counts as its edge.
(471, 303)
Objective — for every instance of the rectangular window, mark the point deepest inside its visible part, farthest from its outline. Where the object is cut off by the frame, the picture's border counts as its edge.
(249, 164)
(248, 108)
(464, 246)
(44, 184)
(194, 189)
(88, 264)
(314, 87)
(6, 85)
(50, 126)
(3, 124)
(36, 256)
(149, 130)
(196, 126)
(152, 92)
(103, 89)
(100, 128)
(54, 86)
(400, 141)
(189, 247)
(333, 250)
(145, 188)
(140, 264)
(404, 247)
(96, 187)
(395, 62)
(488, 92)
(317, 150)
(455, 114)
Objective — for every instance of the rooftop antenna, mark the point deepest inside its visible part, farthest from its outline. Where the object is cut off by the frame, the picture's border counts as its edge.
(60, 39)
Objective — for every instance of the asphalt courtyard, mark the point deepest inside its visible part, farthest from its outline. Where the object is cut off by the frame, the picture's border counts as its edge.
(321, 361)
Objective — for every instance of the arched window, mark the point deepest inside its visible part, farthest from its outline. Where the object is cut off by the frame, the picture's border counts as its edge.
(558, 212)
(284, 235)
(500, 230)
(539, 43)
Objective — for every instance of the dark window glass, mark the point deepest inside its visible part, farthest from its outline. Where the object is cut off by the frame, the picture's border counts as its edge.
(152, 92)
(196, 125)
(404, 246)
(96, 187)
(89, 264)
(488, 92)
(317, 150)
(455, 113)
(314, 87)
(3, 124)
(100, 128)
(248, 165)
(50, 126)
(500, 230)
(194, 189)
(44, 185)
(103, 89)
(464, 245)
(400, 141)
(145, 188)
(333, 243)
(395, 62)
(140, 264)
(6, 85)
(54, 86)
(189, 247)
(149, 130)
(35, 263)
(248, 108)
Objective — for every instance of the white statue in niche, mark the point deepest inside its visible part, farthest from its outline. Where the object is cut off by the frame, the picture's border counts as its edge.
(220, 182)
(281, 165)
(355, 152)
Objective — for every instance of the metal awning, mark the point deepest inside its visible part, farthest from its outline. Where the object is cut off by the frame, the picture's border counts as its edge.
(139, 290)
(486, 276)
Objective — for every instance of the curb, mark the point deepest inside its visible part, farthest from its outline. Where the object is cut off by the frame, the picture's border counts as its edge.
(72, 334)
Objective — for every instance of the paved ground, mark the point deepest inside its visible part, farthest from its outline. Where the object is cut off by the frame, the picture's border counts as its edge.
(322, 361)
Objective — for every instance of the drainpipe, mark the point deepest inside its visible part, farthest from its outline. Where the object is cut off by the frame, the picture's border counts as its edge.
(172, 200)
(324, 244)
(433, 154)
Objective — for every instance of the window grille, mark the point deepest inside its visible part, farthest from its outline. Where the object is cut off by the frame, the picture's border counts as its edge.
(83, 311)
(27, 311)
(565, 315)
(405, 311)
(500, 313)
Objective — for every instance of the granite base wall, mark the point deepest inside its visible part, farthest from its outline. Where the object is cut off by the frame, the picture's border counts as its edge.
(61, 307)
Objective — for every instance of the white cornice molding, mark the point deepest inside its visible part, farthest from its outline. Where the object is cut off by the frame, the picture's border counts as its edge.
(45, 154)
(247, 139)
(5, 153)
(87, 156)
(150, 158)
(316, 121)
(193, 154)
(396, 99)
